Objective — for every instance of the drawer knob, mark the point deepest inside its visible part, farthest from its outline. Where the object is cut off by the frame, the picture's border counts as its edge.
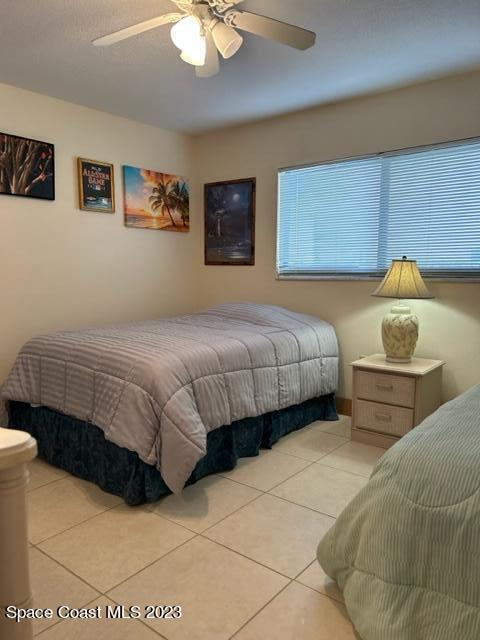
(384, 387)
(384, 417)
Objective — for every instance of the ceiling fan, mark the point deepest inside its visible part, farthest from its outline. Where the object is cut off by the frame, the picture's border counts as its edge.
(206, 27)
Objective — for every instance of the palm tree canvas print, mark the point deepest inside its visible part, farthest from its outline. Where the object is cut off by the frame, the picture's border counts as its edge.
(26, 167)
(156, 200)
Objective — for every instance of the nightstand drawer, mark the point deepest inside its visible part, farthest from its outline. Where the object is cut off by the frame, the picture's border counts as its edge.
(384, 387)
(383, 418)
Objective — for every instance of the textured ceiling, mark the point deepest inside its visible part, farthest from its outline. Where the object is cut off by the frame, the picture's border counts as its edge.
(362, 46)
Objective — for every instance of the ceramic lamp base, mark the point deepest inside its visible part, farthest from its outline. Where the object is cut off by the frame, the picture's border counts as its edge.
(398, 360)
(399, 334)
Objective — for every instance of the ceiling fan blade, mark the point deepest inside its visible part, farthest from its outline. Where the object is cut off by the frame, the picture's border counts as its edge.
(212, 64)
(136, 29)
(184, 5)
(288, 34)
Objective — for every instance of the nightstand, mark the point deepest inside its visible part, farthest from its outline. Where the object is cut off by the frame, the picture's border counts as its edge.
(390, 399)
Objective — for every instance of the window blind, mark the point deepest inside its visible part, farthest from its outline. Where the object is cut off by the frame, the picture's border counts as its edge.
(352, 217)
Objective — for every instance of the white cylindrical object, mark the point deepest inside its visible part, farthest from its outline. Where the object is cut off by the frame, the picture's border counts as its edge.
(227, 40)
(16, 449)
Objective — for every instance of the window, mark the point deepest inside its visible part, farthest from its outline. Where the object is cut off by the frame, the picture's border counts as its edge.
(351, 217)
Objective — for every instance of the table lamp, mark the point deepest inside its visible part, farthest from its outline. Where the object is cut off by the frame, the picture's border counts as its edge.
(400, 327)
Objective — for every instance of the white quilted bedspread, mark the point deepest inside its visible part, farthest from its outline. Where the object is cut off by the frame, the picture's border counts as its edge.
(159, 387)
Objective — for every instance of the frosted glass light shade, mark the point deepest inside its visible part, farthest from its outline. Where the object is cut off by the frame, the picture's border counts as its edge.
(197, 54)
(188, 37)
(185, 30)
(226, 39)
(403, 281)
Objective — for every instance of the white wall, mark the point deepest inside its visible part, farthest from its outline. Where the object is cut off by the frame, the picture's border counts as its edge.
(435, 112)
(61, 267)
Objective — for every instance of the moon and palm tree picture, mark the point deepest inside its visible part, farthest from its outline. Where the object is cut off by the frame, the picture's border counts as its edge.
(230, 222)
(156, 200)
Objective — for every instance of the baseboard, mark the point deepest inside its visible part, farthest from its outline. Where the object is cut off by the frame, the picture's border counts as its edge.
(344, 406)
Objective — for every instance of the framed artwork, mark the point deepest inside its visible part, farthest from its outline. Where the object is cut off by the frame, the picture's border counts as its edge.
(96, 185)
(27, 167)
(156, 200)
(230, 222)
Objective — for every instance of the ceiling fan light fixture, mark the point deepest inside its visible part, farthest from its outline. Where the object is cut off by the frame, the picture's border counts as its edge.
(186, 30)
(187, 35)
(226, 39)
(196, 55)
(205, 28)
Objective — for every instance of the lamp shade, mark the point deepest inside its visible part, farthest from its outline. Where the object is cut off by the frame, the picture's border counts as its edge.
(403, 281)
(226, 39)
(185, 31)
(188, 36)
(197, 54)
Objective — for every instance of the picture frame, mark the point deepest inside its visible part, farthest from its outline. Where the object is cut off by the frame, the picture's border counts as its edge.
(96, 185)
(156, 200)
(230, 222)
(27, 167)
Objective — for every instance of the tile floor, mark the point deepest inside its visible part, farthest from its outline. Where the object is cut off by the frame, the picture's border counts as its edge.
(236, 550)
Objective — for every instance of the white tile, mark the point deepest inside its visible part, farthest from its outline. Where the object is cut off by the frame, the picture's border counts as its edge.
(354, 457)
(101, 628)
(299, 612)
(60, 505)
(266, 470)
(42, 473)
(341, 427)
(276, 533)
(218, 590)
(114, 545)
(322, 488)
(52, 586)
(204, 503)
(309, 444)
(316, 578)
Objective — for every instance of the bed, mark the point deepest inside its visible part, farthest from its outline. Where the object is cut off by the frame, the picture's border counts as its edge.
(406, 551)
(146, 408)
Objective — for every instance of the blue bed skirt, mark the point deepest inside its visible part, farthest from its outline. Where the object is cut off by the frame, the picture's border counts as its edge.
(81, 448)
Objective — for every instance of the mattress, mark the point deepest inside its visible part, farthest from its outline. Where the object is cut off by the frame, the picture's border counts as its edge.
(158, 388)
(406, 551)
